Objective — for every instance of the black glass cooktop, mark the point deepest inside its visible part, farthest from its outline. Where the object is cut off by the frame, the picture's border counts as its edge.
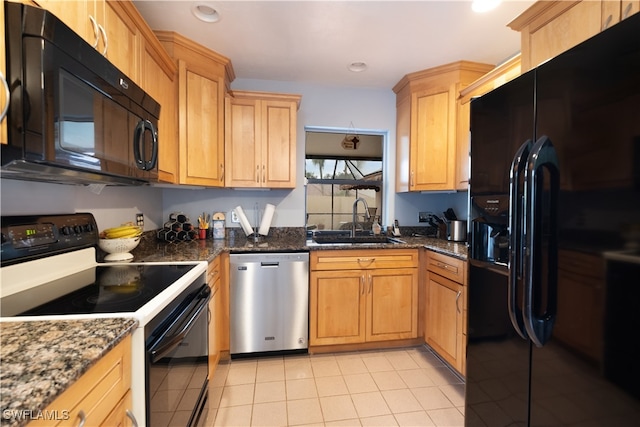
(102, 289)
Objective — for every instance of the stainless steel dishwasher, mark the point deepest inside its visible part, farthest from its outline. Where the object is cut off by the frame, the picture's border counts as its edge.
(269, 302)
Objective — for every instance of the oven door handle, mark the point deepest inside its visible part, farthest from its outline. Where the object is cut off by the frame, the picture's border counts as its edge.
(167, 344)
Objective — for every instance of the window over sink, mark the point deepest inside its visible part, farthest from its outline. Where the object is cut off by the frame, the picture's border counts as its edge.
(340, 167)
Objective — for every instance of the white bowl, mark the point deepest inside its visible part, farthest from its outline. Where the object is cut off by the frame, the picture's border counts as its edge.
(118, 249)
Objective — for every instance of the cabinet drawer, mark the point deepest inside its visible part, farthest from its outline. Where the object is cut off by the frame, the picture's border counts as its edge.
(447, 266)
(214, 270)
(97, 392)
(363, 259)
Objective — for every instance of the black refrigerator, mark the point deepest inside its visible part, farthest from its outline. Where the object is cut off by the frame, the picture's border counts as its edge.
(554, 250)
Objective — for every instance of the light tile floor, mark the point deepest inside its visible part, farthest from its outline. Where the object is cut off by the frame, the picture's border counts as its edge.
(399, 387)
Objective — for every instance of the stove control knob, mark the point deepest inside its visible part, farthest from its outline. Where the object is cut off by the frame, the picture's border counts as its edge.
(66, 230)
(77, 229)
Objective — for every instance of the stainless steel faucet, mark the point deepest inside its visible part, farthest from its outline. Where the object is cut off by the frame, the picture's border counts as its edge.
(355, 213)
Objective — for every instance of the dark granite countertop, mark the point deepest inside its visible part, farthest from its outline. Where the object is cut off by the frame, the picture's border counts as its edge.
(152, 249)
(41, 359)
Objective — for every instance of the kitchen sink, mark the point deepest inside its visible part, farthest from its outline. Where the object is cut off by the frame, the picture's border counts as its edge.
(344, 237)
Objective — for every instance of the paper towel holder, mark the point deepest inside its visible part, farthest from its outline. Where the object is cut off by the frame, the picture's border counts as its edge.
(256, 233)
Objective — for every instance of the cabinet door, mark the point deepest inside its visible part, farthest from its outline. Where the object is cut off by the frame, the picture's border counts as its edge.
(463, 138)
(159, 79)
(118, 417)
(243, 154)
(432, 155)
(337, 307)
(444, 312)
(403, 146)
(76, 15)
(201, 127)
(278, 164)
(123, 40)
(392, 304)
(550, 28)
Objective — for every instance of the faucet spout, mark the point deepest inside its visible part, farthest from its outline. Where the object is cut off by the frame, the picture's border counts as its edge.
(355, 213)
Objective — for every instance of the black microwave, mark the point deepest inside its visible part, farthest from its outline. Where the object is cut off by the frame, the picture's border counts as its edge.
(73, 117)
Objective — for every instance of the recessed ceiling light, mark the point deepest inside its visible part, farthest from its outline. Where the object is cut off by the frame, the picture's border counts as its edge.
(205, 12)
(481, 6)
(357, 67)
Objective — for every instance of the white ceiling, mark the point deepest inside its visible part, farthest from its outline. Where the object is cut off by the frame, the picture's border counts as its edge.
(314, 41)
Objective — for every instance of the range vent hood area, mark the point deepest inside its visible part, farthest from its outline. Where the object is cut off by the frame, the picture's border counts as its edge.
(25, 170)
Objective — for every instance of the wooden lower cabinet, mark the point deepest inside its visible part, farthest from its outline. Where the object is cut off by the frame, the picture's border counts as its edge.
(101, 397)
(353, 306)
(214, 275)
(445, 309)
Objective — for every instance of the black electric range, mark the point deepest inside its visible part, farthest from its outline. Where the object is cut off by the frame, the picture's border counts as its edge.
(99, 289)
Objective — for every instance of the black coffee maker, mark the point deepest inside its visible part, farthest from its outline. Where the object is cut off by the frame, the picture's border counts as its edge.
(490, 230)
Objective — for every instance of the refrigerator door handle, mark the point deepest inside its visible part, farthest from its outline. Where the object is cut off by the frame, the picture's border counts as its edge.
(516, 237)
(543, 156)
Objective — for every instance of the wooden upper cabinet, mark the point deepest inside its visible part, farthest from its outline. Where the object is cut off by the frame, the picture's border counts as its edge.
(158, 76)
(500, 75)
(260, 139)
(549, 28)
(85, 17)
(123, 37)
(203, 79)
(427, 125)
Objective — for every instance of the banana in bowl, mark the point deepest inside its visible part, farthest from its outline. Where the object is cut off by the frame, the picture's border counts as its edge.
(118, 242)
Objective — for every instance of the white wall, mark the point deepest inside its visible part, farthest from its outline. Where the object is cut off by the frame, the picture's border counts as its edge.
(111, 207)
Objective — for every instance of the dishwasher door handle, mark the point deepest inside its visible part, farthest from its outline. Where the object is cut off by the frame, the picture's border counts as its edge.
(269, 264)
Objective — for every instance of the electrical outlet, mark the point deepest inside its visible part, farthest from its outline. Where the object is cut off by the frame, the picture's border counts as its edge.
(140, 219)
(423, 216)
(234, 217)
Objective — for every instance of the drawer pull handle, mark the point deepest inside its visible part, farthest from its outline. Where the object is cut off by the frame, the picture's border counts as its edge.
(457, 298)
(362, 284)
(441, 265)
(367, 260)
(83, 418)
(132, 418)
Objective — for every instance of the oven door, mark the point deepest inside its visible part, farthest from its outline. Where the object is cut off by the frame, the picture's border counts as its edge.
(177, 365)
